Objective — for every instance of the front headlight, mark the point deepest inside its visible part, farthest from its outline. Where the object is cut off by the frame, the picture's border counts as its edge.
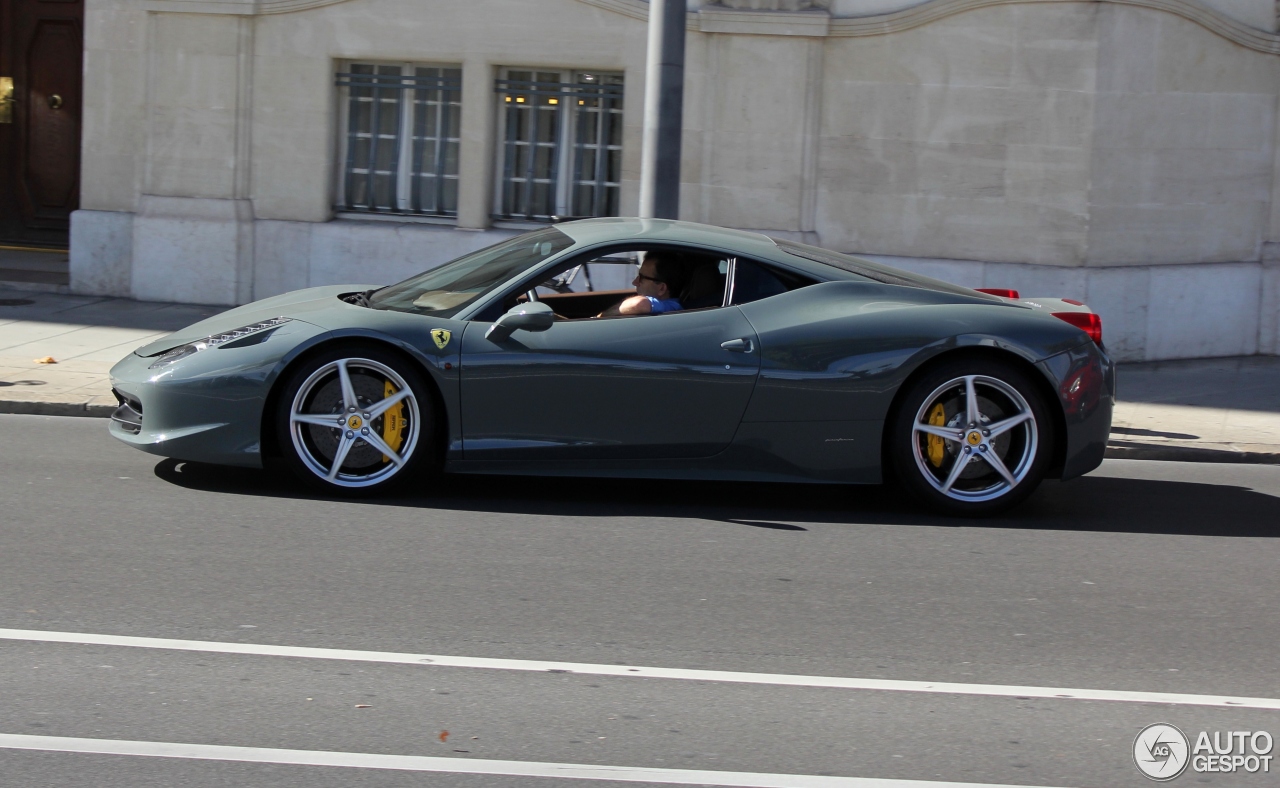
(181, 352)
(170, 356)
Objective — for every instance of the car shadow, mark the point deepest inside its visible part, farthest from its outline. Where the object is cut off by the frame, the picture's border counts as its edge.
(1090, 503)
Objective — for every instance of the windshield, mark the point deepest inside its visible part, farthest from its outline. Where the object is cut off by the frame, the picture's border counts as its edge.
(444, 291)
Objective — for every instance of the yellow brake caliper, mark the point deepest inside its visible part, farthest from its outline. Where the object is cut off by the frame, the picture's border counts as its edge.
(937, 446)
(393, 422)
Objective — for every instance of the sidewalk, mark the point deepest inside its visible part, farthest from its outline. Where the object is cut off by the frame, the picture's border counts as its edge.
(86, 336)
(1201, 410)
(1210, 410)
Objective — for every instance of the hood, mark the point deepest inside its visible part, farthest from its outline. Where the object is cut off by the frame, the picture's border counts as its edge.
(308, 305)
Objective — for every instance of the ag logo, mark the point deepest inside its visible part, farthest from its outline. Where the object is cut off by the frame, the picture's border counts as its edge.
(1160, 751)
(441, 336)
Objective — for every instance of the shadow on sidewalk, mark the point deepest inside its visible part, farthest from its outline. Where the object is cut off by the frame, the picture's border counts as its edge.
(1236, 383)
(1090, 503)
(100, 312)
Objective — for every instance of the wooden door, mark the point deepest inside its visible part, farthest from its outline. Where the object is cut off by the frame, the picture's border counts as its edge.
(41, 51)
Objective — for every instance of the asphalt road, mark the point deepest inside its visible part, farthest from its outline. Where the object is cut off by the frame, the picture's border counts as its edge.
(1142, 577)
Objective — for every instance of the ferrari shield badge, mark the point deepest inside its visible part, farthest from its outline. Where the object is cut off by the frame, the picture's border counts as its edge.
(441, 336)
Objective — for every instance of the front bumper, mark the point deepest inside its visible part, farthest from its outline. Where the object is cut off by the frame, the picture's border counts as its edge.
(207, 407)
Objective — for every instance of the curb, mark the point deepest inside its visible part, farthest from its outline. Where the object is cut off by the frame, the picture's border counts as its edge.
(1128, 450)
(57, 408)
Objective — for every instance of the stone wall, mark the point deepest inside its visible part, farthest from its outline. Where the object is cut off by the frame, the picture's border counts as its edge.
(966, 138)
(1124, 155)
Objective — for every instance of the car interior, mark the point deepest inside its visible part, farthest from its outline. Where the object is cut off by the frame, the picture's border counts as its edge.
(587, 285)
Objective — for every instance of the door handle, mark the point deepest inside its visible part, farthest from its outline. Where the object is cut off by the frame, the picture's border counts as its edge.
(737, 345)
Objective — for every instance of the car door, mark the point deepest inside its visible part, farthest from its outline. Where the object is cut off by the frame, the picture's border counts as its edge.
(673, 385)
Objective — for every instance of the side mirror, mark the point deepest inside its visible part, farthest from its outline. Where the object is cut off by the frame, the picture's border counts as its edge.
(533, 316)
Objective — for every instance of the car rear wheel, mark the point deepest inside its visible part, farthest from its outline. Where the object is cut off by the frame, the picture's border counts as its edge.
(972, 437)
(355, 421)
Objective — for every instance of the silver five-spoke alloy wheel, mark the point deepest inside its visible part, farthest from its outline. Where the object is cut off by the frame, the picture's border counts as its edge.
(354, 422)
(975, 438)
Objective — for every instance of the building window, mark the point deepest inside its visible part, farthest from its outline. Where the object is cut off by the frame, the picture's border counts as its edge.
(561, 144)
(400, 140)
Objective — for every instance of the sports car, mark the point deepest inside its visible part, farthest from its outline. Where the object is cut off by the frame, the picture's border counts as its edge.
(783, 363)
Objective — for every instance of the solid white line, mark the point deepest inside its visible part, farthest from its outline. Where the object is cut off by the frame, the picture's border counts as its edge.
(424, 763)
(635, 671)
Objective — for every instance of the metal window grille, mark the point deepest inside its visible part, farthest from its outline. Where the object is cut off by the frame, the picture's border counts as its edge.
(401, 143)
(561, 146)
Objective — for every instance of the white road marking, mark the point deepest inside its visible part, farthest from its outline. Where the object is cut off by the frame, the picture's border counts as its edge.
(424, 763)
(635, 671)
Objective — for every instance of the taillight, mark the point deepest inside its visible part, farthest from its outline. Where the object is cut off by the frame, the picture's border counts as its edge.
(996, 291)
(1088, 322)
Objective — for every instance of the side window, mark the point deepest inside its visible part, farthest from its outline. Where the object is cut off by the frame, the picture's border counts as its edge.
(588, 285)
(578, 288)
(754, 281)
(612, 272)
(705, 288)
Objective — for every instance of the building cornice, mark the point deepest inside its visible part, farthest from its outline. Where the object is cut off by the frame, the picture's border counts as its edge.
(236, 7)
(714, 19)
(719, 19)
(933, 10)
(813, 22)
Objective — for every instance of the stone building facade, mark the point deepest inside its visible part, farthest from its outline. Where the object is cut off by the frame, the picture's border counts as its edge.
(1123, 154)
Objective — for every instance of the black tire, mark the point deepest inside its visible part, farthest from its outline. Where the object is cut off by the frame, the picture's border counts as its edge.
(314, 391)
(960, 474)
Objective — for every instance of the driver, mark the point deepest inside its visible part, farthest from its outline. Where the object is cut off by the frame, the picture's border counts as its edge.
(660, 277)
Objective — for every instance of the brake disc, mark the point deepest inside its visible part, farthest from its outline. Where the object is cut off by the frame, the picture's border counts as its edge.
(328, 399)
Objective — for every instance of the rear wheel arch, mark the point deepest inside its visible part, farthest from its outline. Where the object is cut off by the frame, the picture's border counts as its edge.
(266, 429)
(1044, 388)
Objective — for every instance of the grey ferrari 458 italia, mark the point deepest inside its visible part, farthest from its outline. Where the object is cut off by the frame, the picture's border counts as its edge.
(759, 359)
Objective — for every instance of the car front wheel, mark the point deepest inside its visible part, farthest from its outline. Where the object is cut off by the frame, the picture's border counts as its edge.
(972, 437)
(354, 420)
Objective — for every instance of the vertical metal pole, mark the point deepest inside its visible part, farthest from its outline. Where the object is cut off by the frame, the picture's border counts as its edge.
(663, 111)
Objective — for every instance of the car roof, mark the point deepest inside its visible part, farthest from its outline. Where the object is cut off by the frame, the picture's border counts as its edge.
(813, 260)
(618, 228)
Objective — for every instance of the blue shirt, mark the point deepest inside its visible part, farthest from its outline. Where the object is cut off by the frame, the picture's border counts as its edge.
(657, 307)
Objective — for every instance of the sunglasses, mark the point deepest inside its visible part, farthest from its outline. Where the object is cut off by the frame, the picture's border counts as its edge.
(650, 278)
